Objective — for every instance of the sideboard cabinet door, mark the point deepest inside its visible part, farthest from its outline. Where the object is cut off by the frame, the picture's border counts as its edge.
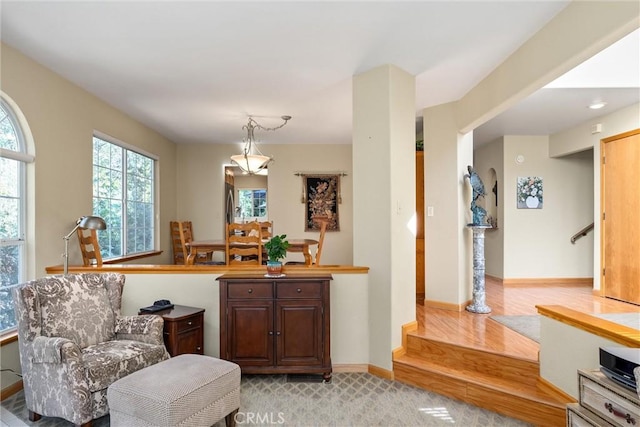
(250, 332)
(299, 333)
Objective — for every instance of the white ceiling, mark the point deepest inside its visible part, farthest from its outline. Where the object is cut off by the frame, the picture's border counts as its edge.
(194, 71)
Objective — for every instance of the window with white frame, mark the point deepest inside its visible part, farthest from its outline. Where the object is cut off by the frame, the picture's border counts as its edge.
(123, 194)
(252, 203)
(13, 159)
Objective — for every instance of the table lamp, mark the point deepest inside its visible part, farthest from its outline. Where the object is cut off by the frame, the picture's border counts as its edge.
(91, 222)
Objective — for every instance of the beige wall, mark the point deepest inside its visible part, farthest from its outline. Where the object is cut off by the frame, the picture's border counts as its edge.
(564, 349)
(62, 118)
(448, 241)
(349, 306)
(536, 241)
(384, 201)
(201, 187)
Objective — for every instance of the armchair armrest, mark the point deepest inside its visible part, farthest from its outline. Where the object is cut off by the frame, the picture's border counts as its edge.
(53, 350)
(147, 328)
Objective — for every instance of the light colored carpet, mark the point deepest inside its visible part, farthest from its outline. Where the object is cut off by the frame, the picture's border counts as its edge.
(527, 325)
(350, 399)
(631, 320)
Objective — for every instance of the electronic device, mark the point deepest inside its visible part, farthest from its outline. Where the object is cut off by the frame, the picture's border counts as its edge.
(618, 363)
(162, 304)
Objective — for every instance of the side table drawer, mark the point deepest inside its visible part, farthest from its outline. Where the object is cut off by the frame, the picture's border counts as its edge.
(608, 403)
(577, 416)
(189, 323)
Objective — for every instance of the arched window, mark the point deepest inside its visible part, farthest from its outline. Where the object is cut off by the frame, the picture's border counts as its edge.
(13, 159)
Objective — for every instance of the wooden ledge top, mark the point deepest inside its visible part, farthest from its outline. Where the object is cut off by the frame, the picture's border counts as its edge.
(208, 269)
(616, 332)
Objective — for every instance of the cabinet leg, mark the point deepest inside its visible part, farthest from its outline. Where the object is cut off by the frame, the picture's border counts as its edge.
(326, 377)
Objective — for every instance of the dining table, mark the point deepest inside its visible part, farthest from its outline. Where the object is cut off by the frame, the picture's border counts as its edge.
(220, 245)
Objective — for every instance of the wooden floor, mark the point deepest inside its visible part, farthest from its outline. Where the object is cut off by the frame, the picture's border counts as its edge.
(478, 331)
(477, 360)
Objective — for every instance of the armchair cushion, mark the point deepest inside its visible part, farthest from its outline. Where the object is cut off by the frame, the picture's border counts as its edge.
(109, 361)
(147, 328)
(135, 324)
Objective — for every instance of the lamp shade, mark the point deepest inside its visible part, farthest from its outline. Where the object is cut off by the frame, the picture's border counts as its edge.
(92, 222)
(251, 163)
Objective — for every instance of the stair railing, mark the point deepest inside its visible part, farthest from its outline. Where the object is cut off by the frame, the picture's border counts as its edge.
(582, 233)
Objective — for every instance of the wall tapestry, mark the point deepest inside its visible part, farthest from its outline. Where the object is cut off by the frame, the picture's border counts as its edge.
(529, 192)
(322, 196)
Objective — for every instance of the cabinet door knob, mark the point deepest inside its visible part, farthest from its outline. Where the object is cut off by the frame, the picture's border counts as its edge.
(278, 333)
(198, 348)
(250, 291)
(270, 332)
(189, 323)
(299, 290)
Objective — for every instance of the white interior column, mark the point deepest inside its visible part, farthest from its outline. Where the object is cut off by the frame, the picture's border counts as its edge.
(384, 202)
(448, 241)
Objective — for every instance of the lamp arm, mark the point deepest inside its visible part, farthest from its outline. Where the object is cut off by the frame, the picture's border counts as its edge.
(259, 126)
(65, 255)
(68, 236)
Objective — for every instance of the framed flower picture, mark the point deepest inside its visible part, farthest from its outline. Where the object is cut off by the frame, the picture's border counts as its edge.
(530, 194)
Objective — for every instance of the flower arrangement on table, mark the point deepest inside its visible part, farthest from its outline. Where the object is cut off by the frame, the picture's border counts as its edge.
(529, 187)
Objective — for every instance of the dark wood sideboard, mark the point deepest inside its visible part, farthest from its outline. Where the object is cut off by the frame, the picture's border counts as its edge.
(276, 325)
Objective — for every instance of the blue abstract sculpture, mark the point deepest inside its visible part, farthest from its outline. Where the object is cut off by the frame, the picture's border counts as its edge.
(479, 213)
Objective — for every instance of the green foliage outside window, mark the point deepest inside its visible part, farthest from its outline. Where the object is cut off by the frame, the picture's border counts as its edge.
(123, 188)
(252, 203)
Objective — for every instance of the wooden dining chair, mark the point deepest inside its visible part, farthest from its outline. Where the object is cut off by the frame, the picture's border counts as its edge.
(244, 244)
(89, 247)
(267, 229)
(181, 234)
(323, 221)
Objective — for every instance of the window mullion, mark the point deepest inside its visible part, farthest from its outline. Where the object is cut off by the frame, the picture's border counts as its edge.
(125, 202)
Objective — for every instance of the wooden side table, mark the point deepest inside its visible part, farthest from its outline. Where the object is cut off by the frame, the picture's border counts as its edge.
(183, 329)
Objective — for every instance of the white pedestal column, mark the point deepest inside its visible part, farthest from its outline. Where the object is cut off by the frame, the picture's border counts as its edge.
(478, 304)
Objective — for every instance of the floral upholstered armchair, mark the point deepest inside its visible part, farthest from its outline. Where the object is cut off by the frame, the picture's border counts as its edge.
(74, 343)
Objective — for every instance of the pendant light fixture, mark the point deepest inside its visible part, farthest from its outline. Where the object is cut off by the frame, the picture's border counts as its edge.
(252, 161)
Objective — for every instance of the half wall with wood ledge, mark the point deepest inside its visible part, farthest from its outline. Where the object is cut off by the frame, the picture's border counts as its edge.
(196, 286)
(570, 340)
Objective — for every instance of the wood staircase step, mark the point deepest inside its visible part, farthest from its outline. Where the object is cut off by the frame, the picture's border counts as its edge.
(503, 384)
(470, 359)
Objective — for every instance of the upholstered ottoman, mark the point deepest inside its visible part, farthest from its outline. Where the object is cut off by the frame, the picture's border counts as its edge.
(186, 390)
